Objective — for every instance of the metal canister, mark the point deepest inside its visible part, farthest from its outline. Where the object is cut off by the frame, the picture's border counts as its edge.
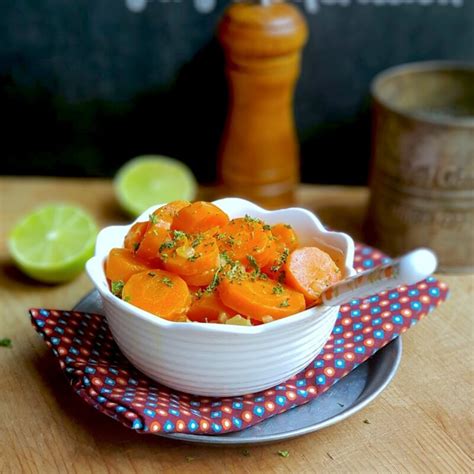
(422, 173)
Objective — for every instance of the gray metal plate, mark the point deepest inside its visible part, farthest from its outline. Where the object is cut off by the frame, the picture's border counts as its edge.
(343, 399)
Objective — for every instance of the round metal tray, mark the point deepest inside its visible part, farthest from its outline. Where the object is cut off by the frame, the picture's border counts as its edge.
(343, 399)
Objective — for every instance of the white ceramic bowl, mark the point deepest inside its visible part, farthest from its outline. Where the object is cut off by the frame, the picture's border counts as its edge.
(217, 359)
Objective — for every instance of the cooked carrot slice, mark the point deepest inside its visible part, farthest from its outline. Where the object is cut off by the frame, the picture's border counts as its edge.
(244, 237)
(164, 215)
(286, 235)
(152, 241)
(158, 292)
(258, 298)
(194, 256)
(275, 268)
(311, 271)
(200, 216)
(207, 307)
(121, 264)
(135, 235)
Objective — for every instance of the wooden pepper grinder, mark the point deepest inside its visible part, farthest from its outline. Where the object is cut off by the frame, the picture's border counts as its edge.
(259, 154)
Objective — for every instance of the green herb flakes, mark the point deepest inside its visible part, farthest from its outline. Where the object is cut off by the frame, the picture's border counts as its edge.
(283, 453)
(6, 342)
(152, 274)
(136, 245)
(169, 244)
(167, 281)
(278, 289)
(284, 304)
(267, 227)
(153, 219)
(117, 287)
(178, 234)
(127, 299)
(253, 263)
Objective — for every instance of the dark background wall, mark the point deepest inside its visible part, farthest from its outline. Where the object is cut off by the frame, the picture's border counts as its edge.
(87, 84)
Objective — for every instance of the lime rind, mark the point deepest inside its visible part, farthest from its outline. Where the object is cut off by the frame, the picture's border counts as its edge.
(52, 243)
(149, 179)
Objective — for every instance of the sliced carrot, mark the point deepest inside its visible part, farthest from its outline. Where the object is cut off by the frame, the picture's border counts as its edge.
(285, 234)
(164, 215)
(244, 237)
(158, 292)
(208, 307)
(258, 298)
(135, 235)
(121, 264)
(149, 249)
(310, 271)
(200, 216)
(275, 268)
(194, 257)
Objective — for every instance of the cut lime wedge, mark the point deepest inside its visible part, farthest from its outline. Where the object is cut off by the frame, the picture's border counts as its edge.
(52, 243)
(149, 180)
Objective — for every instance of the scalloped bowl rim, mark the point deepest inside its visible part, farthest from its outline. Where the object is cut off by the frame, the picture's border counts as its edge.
(95, 270)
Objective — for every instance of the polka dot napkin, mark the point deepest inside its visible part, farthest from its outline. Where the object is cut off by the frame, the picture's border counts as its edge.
(103, 378)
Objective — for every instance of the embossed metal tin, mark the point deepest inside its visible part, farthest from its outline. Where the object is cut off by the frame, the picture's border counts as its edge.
(422, 176)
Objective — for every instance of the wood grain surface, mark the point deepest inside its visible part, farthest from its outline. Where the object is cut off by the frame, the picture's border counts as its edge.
(423, 422)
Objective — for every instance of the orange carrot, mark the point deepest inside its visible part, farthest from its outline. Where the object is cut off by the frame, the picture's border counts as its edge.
(194, 257)
(164, 215)
(158, 292)
(310, 271)
(135, 235)
(152, 241)
(246, 237)
(258, 298)
(207, 307)
(121, 264)
(286, 235)
(200, 216)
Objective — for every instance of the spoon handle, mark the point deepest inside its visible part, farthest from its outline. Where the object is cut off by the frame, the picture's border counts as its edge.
(406, 270)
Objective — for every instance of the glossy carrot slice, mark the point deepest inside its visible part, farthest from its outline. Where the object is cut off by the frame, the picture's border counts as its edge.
(244, 237)
(135, 235)
(194, 257)
(164, 215)
(198, 217)
(158, 292)
(208, 307)
(152, 241)
(121, 264)
(285, 234)
(275, 268)
(310, 271)
(258, 298)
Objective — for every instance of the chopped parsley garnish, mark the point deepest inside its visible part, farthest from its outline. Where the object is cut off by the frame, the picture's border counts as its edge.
(152, 274)
(281, 260)
(226, 259)
(5, 342)
(136, 245)
(278, 289)
(214, 283)
(178, 234)
(267, 227)
(169, 244)
(283, 453)
(230, 240)
(197, 240)
(127, 299)
(153, 219)
(284, 304)
(117, 287)
(221, 236)
(253, 263)
(167, 281)
(194, 257)
(252, 220)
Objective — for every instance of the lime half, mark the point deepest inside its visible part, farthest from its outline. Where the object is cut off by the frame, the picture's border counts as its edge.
(149, 180)
(53, 243)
